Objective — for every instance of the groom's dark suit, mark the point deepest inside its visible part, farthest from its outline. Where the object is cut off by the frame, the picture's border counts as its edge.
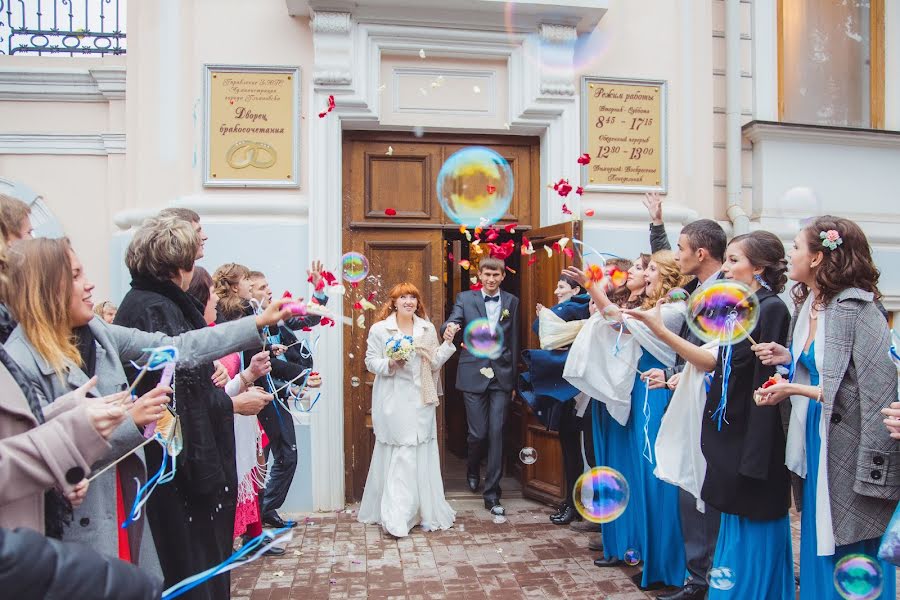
(487, 400)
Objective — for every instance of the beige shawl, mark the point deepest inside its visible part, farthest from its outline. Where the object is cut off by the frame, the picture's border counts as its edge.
(426, 346)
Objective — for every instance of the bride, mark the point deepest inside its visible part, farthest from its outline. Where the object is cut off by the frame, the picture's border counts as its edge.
(404, 486)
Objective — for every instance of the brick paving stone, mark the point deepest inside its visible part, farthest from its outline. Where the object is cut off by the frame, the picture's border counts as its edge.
(332, 557)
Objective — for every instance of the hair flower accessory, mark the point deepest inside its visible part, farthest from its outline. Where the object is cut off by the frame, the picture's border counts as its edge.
(831, 239)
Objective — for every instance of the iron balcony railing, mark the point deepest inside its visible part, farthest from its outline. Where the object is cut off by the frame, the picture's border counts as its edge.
(53, 27)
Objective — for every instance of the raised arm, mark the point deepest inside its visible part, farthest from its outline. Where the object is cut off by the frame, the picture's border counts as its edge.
(658, 238)
(456, 315)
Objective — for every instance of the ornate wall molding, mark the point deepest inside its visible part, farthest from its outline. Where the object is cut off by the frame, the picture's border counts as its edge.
(330, 22)
(83, 144)
(46, 84)
(333, 48)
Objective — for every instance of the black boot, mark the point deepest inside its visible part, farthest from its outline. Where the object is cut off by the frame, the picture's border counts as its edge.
(567, 516)
(559, 511)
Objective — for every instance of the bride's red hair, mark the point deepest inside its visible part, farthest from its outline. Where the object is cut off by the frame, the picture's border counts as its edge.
(401, 289)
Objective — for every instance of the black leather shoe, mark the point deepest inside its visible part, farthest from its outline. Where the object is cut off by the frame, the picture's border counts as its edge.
(691, 591)
(607, 562)
(567, 516)
(275, 551)
(559, 511)
(636, 579)
(277, 522)
(495, 507)
(474, 481)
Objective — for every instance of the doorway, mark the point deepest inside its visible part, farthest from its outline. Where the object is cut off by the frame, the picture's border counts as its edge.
(392, 216)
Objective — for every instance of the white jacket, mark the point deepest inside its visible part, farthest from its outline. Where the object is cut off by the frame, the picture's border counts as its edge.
(398, 415)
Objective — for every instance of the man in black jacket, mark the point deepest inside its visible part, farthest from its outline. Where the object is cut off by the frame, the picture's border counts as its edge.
(33, 566)
(701, 251)
(289, 360)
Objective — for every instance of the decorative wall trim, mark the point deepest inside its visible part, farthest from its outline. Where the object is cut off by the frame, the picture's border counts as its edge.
(485, 79)
(757, 131)
(89, 144)
(62, 85)
(231, 205)
(333, 47)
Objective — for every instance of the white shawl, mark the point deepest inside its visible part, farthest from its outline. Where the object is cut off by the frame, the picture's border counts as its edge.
(554, 331)
(593, 368)
(795, 454)
(679, 457)
(673, 317)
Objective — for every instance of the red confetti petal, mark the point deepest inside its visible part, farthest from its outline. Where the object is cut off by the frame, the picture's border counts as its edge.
(584, 159)
(579, 190)
(287, 294)
(589, 212)
(511, 228)
(556, 246)
(562, 187)
(371, 296)
(329, 109)
(475, 286)
(326, 322)
(566, 210)
(390, 212)
(568, 252)
(354, 284)
(491, 189)
(532, 260)
(306, 329)
(450, 256)
(492, 235)
(357, 306)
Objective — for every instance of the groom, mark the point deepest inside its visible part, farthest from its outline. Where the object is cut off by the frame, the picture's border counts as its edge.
(487, 393)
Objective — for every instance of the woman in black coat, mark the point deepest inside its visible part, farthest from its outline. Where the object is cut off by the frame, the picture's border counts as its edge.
(192, 517)
(746, 478)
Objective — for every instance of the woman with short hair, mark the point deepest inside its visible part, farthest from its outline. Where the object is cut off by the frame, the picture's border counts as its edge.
(192, 518)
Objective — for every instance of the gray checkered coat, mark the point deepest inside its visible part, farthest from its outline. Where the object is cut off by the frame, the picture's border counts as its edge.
(858, 380)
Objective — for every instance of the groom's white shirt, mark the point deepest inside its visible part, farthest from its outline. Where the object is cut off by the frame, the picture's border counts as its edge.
(493, 309)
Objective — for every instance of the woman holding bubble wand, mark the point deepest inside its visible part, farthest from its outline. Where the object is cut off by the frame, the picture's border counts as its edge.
(649, 529)
(841, 377)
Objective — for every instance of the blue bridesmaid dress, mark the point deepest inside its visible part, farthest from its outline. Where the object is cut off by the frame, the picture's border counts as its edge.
(654, 501)
(817, 572)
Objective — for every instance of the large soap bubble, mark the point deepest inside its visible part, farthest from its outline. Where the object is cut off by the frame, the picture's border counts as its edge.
(475, 186)
(726, 311)
(601, 495)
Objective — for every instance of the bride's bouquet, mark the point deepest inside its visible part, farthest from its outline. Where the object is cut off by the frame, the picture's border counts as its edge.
(399, 347)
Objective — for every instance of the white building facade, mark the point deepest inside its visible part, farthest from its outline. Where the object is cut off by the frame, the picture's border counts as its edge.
(775, 110)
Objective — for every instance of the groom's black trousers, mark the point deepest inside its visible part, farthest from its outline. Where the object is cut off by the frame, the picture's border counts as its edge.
(279, 428)
(486, 413)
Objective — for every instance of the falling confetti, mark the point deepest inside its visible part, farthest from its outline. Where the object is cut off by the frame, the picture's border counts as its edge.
(566, 210)
(589, 212)
(433, 278)
(476, 89)
(361, 321)
(465, 264)
(423, 91)
(562, 187)
(422, 53)
(390, 152)
(579, 190)
(584, 159)
(329, 109)
(487, 372)
(382, 87)
(506, 125)
(549, 251)
(390, 212)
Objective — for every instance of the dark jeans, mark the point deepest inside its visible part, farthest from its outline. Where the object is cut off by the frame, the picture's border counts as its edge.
(570, 426)
(279, 427)
(486, 414)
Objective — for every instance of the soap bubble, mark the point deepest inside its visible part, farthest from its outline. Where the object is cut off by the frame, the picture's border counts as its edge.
(677, 295)
(858, 577)
(601, 495)
(726, 312)
(632, 557)
(480, 341)
(354, 267)
(528, 455)
(801, 203)
(475, 186)
(721, 578)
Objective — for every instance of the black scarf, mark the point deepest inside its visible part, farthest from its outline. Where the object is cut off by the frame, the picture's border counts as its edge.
(87, 347)
(190, 307)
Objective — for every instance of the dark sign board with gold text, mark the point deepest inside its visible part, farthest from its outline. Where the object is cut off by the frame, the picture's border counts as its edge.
(252, 129)
(623, 128)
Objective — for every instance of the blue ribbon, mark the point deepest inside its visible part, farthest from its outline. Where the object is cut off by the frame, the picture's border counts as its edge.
(595, 429)
(648, 450)
(719, 414)
(143, 493)
(257, 546)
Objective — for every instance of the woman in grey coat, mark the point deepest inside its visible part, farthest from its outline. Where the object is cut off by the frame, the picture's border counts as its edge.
(847, 465)
(59, 343)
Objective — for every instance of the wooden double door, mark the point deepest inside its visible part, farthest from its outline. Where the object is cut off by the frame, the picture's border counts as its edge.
(393, 217)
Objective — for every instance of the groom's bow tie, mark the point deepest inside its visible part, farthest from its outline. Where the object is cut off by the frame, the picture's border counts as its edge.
(492, 298)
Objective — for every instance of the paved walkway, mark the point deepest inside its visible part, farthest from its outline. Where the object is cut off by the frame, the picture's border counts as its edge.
(333, 556)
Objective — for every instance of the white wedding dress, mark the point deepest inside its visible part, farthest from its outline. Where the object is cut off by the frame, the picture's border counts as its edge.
(404, 487)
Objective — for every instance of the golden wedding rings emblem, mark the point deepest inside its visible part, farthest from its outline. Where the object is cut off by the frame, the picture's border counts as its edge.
(245, 154)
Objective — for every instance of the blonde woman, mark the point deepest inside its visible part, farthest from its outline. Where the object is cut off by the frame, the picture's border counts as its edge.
(650, 525)
(404, 486)
(59, 344)
(106, 310)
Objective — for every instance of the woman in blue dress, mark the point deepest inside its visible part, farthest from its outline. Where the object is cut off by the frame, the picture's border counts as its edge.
(650, 528)
(743, 443)
(847, 465)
